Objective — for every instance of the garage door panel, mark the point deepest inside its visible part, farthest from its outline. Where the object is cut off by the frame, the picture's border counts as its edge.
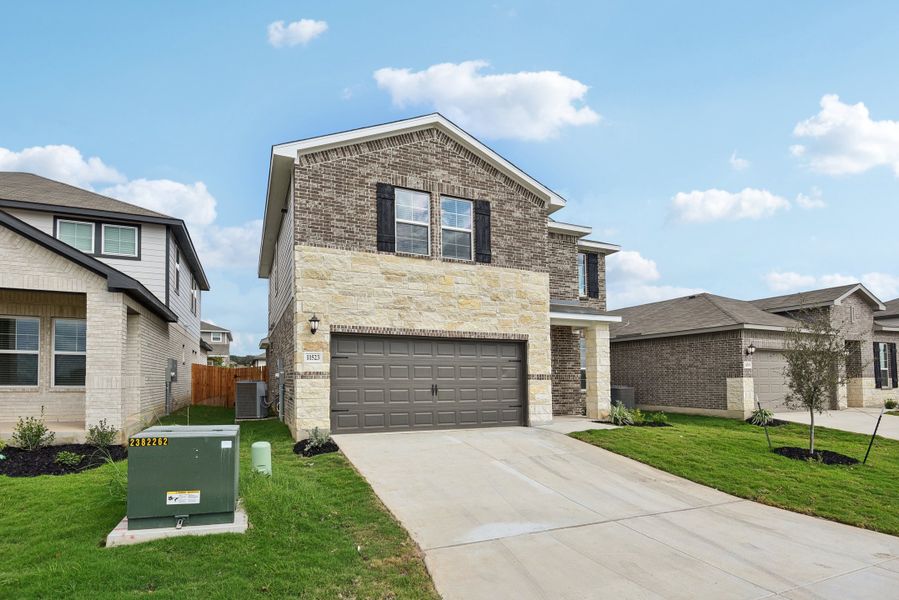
(769, 382)
(389, 383)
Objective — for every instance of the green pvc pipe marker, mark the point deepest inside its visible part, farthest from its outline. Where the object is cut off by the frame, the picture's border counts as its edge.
(261, 455)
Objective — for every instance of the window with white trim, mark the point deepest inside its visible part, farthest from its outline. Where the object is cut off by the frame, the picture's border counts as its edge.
(581, 274)
(455, 223)
(215, 336)
(883, 351)
(77, 234)
(119, 240)
(19, 347)
(582, 350)
(69, 352)
(413, 222)
(178, 271)
(194, 296)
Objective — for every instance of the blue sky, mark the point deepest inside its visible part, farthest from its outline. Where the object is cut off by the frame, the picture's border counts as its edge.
(745, 149)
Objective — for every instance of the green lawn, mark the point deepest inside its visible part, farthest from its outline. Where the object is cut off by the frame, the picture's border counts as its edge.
(732, 456)
(316, 531)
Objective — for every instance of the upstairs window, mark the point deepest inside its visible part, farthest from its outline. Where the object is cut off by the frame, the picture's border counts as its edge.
(582, 274)
(19, 343)
(69, 352)
(77, 234)
(413, 222)
(194, 296)
(177, 271)
(455, 219)
(215, 336)
(119, 240)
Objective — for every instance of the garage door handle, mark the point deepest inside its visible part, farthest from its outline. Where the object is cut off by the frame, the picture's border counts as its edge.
(340, 410)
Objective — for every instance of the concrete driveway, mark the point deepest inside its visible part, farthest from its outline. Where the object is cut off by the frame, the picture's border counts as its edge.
(531, 513)
(857, 420)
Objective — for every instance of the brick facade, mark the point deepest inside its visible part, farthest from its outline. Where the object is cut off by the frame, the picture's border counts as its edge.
(563, 274)
(282, 354)
(568, 399)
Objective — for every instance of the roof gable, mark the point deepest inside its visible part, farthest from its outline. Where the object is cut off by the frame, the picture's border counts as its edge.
(832, 296)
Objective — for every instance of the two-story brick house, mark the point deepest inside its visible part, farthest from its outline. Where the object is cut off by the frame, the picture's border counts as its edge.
(417, 281)
(99, 308)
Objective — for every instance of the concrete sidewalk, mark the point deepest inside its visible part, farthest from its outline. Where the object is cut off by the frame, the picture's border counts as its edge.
(856, 420)
(531, 513)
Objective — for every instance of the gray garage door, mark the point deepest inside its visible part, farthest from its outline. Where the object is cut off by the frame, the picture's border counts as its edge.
(770, 384)
(400, 383)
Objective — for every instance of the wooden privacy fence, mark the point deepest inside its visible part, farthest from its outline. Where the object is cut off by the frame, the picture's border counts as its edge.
(214, 386)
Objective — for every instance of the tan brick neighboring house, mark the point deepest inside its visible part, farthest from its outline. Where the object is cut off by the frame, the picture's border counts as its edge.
(219, 340)
(442, 293)
(98, 298)
(709, 354)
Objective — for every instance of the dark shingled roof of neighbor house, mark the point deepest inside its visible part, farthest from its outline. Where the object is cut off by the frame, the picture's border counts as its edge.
(28, 187)
(799, 299)
(691, 314)
(891, 311)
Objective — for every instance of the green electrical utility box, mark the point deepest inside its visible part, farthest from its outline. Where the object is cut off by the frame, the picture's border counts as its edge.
(180, 475)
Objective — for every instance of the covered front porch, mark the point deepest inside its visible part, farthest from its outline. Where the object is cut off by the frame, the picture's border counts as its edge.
(581, 366)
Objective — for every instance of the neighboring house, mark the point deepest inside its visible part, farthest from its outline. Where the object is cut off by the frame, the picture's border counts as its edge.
(98, 299)
(713, 355)
(417, 281)
(259, 360)
(220, 340)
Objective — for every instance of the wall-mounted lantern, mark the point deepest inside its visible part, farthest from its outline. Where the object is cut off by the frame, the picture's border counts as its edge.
(313, 324)
(750, 350)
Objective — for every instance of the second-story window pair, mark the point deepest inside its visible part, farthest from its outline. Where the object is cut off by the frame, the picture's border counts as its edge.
(413, 224)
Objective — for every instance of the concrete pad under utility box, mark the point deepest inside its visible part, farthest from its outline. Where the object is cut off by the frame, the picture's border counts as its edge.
(121, 536)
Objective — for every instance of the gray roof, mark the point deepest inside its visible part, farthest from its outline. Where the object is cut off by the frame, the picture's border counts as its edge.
(28, 187)
(813, 298)
(573, 308)
(116, 281)
(892, 310)
(207, 326)
(33, 192)
(690, 314)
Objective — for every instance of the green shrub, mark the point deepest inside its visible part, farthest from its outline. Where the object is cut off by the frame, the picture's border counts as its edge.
(761, 416)
(102, 435)
(69, 459)
(890, 404)
(620, 415)
(658, 418)
(637, 416)
(31, 433)
(2, 448)
(317, 438)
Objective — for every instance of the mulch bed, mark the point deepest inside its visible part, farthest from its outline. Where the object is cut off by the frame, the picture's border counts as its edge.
(774, 423)
(301, 448)
(643, 424)
(21, 463)
(825, 456)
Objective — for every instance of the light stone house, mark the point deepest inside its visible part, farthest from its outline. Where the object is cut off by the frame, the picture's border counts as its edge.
(418, 281)
(708, 354)
(99, 308)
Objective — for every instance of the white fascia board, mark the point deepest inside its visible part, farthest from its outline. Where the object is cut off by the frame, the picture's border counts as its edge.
(580, 320)
(599, 246)
(874, 299)
(356, 136)
(568, 228)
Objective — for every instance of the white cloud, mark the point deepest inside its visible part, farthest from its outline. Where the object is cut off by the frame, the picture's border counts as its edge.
(737, 163)
(231, 247)
(630, 275)
(189, 201)
(843, 139)
(62, 163)
(528, 105)
(883, 285)
(715, 205)
(295, 33)
(811, 201)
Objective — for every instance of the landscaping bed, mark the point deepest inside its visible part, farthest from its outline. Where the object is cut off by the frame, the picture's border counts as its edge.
(733, 456)
(771, 423)
(317, 531)
(303, 448)
(43, 461)
(823, 456)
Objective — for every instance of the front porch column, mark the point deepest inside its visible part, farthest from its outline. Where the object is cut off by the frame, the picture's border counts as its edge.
(599, 373)
(107, 333)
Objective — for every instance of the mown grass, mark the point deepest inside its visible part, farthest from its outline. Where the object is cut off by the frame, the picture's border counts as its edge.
(317, 531)
(733, 456)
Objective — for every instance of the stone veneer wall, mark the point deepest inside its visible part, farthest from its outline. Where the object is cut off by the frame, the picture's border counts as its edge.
(690, 371)
(566, 375)
(360, 291)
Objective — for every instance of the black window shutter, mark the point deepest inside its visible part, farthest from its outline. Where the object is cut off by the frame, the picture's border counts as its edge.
(893, 370)
(386, 222)
(877, 382)
(592, 276)
(482, 231)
